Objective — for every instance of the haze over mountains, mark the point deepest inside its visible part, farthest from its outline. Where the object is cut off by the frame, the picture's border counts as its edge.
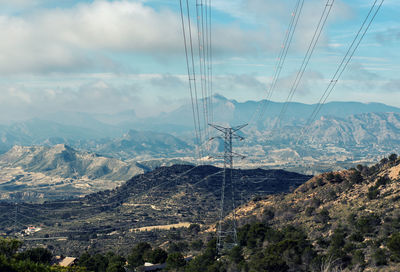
(343, 132)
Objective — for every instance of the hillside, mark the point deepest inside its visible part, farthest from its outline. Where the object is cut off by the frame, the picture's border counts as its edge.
(143, 145)
(356, 208)
(41, 173)
(179, 194)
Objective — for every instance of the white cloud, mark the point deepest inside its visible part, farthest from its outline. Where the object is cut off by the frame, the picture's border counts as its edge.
(66, 39)
(274, 17)
(88, 36)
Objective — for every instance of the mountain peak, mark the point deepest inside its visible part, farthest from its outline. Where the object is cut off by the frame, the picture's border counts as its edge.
(61, 147)
(220, 97)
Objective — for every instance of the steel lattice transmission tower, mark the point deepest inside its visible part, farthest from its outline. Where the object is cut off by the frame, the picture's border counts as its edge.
(226, 228)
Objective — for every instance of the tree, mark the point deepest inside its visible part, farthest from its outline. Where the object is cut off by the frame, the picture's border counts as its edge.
(36, 255)
(358, 258)
(9, 247)
(355, 177)
(194, 228)
(367, 223)
(394, 245)
(235, 255)
(323, 216)
(115, 267)
(157, 255)
(269, 262)
(196, 245)
(379, 257)
(135, 259)
(175, 261)
(392, 157)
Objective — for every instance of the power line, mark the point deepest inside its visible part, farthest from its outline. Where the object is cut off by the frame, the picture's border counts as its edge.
(191, 78)
(201, 45)
(209, 61)
(307, 57)
(342, 66)
(295, 15)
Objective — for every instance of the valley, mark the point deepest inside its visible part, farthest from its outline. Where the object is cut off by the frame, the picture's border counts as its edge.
(179, 194)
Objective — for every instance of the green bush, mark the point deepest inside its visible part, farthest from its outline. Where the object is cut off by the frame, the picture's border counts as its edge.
(356, 177)
(155, 256)
(268, 214)
(235, 255)
(394, 245)
(379, 257)
(196, 245)
(194, 228)
(36, 255)
(393, 157)
(373, 192)
(356, 237)
(9, 247)
(322, 216)
(382, 181)
(175, 261)
(368, 223)
(135, 258)
(309, 211)
(358, 258)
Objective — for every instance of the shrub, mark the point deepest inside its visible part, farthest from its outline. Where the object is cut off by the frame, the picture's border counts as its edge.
(355, 177)
(322, 216)
(316, 202)
(9, 247)
(384, 161)
(175, 260)
(358, 258)
(135, 258)
(338, 238)
(330, 176)
(373, 192)
(268, 214)
(196, 245)
(394, 244)
(194, 228)
(36, 255)
(155, 256)
(382, 181)
(392, 157)
(367, 223)
(356, 237)
(235, 255)
(320, 182)
(379, 257)
(309, 211)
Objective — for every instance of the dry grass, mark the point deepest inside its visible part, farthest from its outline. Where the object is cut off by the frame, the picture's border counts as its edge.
(163, 227)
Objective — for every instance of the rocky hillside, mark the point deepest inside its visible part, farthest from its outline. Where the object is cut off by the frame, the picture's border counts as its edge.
(41, 172)
(143, 144)
(358, 209)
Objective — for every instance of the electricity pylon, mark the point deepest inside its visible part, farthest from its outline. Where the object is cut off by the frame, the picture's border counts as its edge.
(226, 229)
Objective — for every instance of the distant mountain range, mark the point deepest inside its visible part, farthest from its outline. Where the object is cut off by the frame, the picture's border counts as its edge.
(343, 132)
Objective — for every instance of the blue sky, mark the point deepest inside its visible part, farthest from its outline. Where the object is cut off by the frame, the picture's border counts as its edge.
(110, 56)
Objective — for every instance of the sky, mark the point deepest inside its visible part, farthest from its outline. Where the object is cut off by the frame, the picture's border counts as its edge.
(111, 56)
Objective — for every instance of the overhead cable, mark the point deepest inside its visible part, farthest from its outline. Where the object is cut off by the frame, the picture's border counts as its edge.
(343, 64)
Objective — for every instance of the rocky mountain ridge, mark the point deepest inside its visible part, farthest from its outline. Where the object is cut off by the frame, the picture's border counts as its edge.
(41, 172)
